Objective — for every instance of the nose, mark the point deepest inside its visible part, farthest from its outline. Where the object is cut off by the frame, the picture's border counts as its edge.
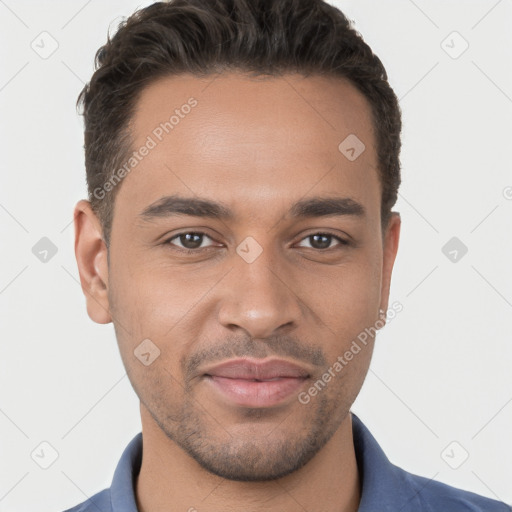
(259, 297)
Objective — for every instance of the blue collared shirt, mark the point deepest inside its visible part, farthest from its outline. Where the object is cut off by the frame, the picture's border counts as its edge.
(385, 487)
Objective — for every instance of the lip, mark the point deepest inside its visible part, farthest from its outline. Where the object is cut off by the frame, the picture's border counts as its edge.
(256, 383)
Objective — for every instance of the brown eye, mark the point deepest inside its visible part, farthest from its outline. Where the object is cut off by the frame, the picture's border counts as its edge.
(322, 241)
(189, 241)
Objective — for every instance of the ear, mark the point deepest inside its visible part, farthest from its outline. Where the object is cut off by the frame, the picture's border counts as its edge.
(389, 250)
(91, 257)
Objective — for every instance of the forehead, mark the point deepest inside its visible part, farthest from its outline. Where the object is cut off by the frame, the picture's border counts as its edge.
(251, 141)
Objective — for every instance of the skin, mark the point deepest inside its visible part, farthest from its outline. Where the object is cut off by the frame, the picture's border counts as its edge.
(257, 146)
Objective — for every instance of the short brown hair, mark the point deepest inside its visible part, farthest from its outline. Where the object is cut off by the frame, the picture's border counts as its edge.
(265, 37)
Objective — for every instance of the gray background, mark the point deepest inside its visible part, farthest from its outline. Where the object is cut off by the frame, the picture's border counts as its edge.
(439, 387)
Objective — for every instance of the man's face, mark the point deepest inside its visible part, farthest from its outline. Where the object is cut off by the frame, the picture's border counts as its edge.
(257, 286)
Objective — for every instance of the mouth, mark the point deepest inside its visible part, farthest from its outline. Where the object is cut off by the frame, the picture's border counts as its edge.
(255, 383)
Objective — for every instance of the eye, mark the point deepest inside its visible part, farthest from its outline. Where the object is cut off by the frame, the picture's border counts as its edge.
(190, 241)
(323, 241)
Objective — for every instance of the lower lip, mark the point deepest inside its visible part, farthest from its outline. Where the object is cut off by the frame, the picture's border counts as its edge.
(248, 393)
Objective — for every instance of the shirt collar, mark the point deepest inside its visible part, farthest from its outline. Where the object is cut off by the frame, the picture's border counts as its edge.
(384, 486)
(122, 490)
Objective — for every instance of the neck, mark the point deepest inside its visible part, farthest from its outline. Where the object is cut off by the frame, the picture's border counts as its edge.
(169, 477)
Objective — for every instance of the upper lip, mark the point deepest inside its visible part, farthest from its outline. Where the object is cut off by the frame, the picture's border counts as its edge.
(252, 369)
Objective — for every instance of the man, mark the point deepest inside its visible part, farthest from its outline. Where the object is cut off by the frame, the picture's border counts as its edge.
(242, 161)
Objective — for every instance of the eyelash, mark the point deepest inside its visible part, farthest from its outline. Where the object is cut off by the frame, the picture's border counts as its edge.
(342, 242)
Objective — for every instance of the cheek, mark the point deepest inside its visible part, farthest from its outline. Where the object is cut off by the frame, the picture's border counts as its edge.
(147, 322)
(138, 313)
(150, 298)
(348, 296)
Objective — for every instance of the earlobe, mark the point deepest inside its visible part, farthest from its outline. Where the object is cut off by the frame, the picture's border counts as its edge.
(91, 257)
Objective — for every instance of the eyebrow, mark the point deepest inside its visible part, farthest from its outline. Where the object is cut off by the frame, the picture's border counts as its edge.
(174, 205)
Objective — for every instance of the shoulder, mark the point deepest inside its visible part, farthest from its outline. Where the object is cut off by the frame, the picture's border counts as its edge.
(98, 502)
(435, 496)
(388, 488)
